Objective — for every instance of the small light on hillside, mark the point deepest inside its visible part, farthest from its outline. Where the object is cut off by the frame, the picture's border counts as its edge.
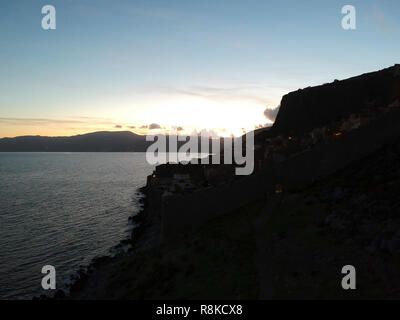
(278, 189)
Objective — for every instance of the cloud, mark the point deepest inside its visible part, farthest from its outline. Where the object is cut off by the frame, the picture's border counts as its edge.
(144, 127)
(118, 126)
(249, 93)
(88, 11)
(155, 13)
(47, 121)
(271, 113)
(154, 126)
(384, 25)
(209, 132)
(179, 129)
(260, 126)
(131, 127)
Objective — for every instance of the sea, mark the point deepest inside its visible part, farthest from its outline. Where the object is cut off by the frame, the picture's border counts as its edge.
(63, 209)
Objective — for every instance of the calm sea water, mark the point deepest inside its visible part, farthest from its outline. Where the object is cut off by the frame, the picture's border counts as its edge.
(62, 209)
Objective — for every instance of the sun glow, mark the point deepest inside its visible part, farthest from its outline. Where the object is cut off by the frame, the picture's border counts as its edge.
(193, 114)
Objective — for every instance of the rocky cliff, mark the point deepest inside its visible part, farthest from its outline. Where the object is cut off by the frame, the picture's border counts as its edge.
(313, 107)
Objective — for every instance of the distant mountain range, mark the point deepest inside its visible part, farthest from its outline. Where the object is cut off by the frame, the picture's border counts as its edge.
(104, 141)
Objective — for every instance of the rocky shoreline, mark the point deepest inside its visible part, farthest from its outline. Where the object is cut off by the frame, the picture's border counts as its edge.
(143, 236)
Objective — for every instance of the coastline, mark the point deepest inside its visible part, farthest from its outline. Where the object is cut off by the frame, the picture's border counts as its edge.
(143, 236)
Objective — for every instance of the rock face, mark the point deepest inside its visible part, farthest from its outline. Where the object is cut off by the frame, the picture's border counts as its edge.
(363, 202)
(313, 107)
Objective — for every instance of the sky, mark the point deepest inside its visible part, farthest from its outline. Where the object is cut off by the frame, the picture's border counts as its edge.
(149, 65)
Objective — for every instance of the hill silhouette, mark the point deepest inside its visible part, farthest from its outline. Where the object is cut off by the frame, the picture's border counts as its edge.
(305, 109)
(103, 141)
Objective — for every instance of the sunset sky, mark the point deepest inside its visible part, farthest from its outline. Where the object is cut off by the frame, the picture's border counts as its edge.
(214, 64)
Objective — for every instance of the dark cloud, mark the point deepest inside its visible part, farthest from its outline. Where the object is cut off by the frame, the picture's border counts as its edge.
(131, 127)
(179, 128)
(143, 127)
(118, 126)
(154, 126)
(271, 113)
